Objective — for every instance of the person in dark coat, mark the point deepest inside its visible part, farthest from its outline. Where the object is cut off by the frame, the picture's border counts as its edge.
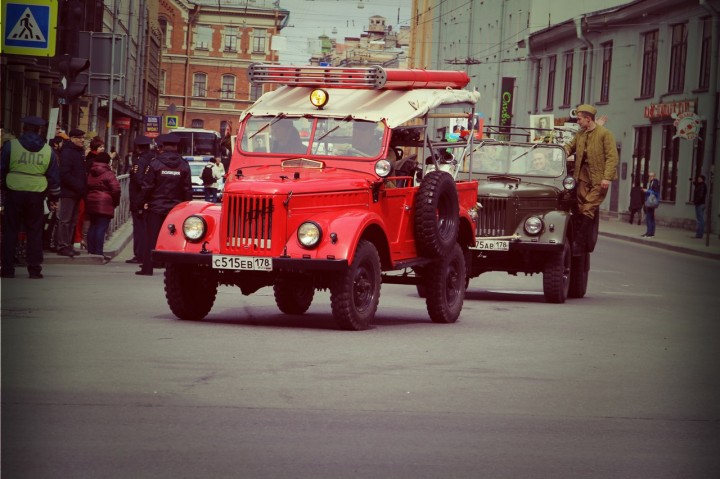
(73, 184)
(102, 198)
(141, 160)
(653, 188)
(30, 172)
(637, 199)
(699, 196)
(167, 182)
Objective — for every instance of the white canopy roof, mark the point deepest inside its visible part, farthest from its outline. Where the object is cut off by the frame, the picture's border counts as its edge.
(394, 106)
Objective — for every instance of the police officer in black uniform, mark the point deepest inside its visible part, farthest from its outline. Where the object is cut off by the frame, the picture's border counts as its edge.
(142, 158)
(30, 172)
(167, 182)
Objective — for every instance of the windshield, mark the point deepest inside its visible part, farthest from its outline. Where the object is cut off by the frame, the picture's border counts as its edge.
(518, 160)
(331, 137)
(194, 143)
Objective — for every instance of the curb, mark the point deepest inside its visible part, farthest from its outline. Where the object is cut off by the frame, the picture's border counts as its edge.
(665, 246)
(113, 246)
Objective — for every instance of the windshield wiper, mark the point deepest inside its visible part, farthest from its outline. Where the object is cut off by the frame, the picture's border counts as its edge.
(346, 119)
(525, 153)
(278, 117)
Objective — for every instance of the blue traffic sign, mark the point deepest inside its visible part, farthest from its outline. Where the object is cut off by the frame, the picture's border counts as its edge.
(29, 27)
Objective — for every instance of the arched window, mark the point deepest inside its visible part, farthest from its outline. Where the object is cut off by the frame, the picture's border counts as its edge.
(227, 89)
(200, 84)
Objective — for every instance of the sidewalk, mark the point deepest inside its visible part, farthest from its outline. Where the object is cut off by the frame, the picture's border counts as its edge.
(680, 240)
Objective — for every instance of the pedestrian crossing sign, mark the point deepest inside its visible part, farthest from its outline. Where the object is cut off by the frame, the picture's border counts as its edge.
(29, 27)
(171, 121)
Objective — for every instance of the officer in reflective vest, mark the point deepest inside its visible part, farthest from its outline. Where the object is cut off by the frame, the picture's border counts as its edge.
(30, 172)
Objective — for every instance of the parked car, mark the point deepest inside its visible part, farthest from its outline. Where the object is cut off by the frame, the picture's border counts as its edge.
(196, 167)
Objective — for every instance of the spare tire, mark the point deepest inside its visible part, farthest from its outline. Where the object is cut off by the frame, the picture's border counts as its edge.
(437, 212)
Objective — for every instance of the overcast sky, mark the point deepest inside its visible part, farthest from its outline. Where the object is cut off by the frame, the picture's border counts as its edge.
(311, 18)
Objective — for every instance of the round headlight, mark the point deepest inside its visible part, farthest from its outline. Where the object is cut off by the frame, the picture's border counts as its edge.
(319, 98)
(309, 234)
(569, 183)
(533, 225)
(194, 228)
(383, 168)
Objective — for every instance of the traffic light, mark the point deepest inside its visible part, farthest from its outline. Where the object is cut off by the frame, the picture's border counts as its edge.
(70, 67)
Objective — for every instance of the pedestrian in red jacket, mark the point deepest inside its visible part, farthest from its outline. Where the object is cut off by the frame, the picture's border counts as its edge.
(102, 198)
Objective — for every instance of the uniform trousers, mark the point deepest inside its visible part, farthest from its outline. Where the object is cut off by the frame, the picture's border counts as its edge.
(590, 197)
(153, 224)
(23, 211)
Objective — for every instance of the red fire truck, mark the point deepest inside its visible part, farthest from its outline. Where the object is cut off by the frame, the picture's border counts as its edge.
(341, 179)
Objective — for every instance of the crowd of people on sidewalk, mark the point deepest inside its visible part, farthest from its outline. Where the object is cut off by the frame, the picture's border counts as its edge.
(76, 185)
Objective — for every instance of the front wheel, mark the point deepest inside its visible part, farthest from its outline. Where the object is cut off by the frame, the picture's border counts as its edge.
(355, 293)
(190, 290)
(293, 295)
(556, 276)
(445, 285)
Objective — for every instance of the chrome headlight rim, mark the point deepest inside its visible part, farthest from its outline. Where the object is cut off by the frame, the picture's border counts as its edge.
(533, 225)
(569, 183)
(309, 234)
(383, 168)
(194, 228)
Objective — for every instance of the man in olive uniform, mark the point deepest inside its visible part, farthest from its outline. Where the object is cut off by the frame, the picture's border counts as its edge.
(596, 160)
(142, 158)
(167, 182)
(30, 172)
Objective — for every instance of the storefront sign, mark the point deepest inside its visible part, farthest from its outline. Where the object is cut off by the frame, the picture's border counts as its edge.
(687, 125)
(122, 123)
(152, 126)
(506, 103)
(658, 111)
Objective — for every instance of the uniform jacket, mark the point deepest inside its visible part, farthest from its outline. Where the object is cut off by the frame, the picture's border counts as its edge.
(137, 172)
(103, 191)
(32, 142)
(73, 175)
(167, 182)
(599, 149)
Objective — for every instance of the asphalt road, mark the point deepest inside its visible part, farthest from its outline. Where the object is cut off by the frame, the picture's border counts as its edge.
(100, 381)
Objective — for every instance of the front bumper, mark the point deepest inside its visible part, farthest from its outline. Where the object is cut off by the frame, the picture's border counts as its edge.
(279, 264)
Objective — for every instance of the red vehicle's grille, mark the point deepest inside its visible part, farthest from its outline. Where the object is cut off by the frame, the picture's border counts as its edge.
(248, 222)
(492, 216)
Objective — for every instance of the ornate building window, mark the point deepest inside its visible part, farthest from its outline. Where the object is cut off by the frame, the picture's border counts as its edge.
(199, 84)
(227, 89)
(678, 57)
(647, 85)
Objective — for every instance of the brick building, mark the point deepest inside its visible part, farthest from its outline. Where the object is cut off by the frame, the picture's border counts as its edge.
(207, 47)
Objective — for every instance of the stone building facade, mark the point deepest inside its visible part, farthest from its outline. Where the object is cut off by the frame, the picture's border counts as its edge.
(647, 65)
(207, 47)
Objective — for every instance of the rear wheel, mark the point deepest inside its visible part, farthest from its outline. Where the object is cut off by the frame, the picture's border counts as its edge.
(556, 276)
(293, 295)
(444, 287)
(436, 214)
(579, 272)
(190, 290)
(355, 293)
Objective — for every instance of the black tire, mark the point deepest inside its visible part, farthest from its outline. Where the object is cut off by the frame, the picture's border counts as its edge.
(437, 221)
(421, 290)
(579, 273)
(556, 276)
(293, 295)
(593, 233)
(445, 287)
(190, 291)
(355, 293)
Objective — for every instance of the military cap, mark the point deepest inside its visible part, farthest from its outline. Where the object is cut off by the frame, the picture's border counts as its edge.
(168, 139)
(34, 121)
(587, 109)
(142, 140)
(76, 132)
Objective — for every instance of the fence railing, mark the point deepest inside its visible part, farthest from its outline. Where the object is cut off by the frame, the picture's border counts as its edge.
(122, 212)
